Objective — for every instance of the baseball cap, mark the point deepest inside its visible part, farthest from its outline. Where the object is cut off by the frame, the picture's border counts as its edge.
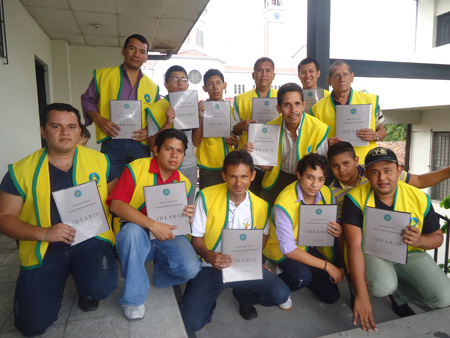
(380, 154)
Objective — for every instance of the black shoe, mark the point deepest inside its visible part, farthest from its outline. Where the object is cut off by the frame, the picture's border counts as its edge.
(401, 310)
(246, 312)
(87, 304)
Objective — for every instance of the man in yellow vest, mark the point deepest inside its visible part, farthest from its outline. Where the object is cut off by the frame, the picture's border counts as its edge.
(175, 259)
(28, 214)
(228, 205)
(212, 150)
(263, 75)
(300, 135)
(340, 77)
(309, 73)
(301, 266)
(420, 280)
(161, 116)
(124, 82)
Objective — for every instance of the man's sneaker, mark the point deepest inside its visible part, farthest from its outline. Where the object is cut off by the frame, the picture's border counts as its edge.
(287, 305)
(401, 310)
(86, 303)
(134, 312)
(246, 312)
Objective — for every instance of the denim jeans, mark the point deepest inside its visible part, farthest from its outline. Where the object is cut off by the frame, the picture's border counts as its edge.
(298, 275)
(39, 291)
(420, 281)
(175, 262)
(202, 292)
(121, 152)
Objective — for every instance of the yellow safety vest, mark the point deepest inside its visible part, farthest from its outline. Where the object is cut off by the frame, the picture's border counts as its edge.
(407, 199)
(216, 205)
(286, 200)
(311, 135)
(157, 111)
(108, 84)
(325, 111)
(243, 104)
(32, 179)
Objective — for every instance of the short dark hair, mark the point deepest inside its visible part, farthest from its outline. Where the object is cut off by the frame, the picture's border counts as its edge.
(237, 157)
(263, 59)
(336, 64)
(138, 37)
(172, 69)
(313, 161)
(58, 107)
(210, 73)
(85, 132)
(307, 61)
(169, 134)
(287, 88)
(339, 148)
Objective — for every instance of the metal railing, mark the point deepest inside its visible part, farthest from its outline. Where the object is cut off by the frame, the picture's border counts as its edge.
(442, 220)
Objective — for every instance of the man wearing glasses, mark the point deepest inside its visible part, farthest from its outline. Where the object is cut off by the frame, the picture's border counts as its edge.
(161, 116)
(124, 82)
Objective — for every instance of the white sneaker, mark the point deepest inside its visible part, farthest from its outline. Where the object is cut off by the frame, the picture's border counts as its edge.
(134, 312)
(287, 305)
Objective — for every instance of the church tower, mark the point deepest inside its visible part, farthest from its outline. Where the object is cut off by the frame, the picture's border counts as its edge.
(273, 27)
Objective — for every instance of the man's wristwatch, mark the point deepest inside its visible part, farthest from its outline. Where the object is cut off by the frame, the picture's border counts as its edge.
(378, 138)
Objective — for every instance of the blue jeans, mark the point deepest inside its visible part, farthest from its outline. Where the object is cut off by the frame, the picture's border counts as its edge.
(175, 262)
(121, 152)
(39, 291)
(202, 292)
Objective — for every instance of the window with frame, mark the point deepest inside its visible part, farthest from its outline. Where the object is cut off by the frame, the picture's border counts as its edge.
(443, 29)
(440, 159)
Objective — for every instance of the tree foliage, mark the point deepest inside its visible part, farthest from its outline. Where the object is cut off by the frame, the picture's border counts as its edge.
(395, 132)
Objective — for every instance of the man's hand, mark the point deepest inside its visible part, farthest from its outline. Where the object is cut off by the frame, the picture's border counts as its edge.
(60, 233)
(140, 135)
(412, 236)
(334, 229)
(363, 310)
(218, 260)
(201, 108)
(232, 140)
(109, 127)
(334, 140)
(249, 147)
(189, 211)
(163, 231)
(170, 116)
(334, 272)
(243, 125)
(367, 134)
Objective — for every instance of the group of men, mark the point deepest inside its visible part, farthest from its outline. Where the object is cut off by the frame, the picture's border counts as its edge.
(233, 194)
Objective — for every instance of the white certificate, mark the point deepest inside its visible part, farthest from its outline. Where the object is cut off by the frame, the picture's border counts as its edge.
(81, 208)
(264, 109)
(265, 139)
(350, 119)
(246, 248)
(127, 114)
(383, 234)
(312, 96)
(165, 204)
(217, 119)
(313, 222)
(185, 104)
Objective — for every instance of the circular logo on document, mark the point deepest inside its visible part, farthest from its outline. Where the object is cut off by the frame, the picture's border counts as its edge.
(147, 98)
(266, 103)
(216, 106)
(319, 211)
(353, 111)
(264, 130)
(77, 193)
(94, 177)
(310, 94)
(126, 106)
(387, 218)
(414, 222)
(243, 237)
(183, 95)
(166, 192)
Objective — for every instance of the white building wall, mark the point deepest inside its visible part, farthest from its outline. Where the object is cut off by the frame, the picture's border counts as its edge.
(26, 41)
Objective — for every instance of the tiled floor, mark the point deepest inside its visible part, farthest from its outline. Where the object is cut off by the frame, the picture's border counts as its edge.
(308, 318)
